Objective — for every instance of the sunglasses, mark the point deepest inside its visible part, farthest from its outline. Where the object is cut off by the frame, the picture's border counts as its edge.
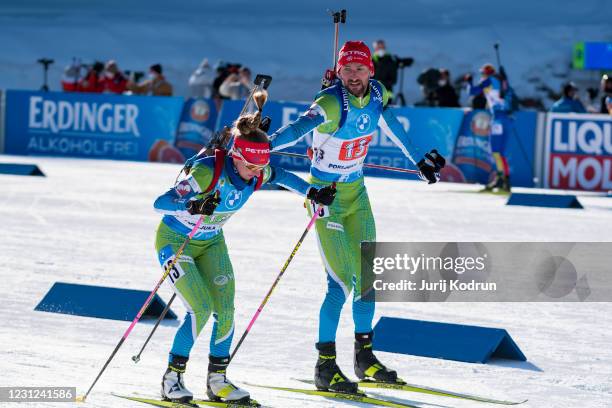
(250, 166)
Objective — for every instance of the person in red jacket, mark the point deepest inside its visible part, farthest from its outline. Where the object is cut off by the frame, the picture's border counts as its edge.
(93, 80)
(114, 80)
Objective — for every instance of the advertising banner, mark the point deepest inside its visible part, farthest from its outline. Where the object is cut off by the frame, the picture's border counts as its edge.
(197, 125)
(90, 125)
(578, 152)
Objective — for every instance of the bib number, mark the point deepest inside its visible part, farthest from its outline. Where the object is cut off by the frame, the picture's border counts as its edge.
(354, 149)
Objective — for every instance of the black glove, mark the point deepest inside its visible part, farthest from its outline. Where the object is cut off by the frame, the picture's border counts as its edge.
(437, 159)
(430, 166)
(265, 124)
(323, 195)
(203, 206)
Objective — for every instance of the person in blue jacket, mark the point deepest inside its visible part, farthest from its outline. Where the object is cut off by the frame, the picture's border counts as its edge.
(569, 101)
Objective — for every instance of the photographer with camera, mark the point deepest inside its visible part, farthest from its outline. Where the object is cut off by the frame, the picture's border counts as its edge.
(237, 85)
(429, 81)
(93, 81)
(386, 67)
(446, 95)
(155, 85)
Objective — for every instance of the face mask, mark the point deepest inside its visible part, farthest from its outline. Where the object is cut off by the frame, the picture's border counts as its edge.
(442, 82)
(380, 52)
(151, 76)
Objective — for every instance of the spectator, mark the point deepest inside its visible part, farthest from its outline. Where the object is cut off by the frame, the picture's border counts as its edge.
(200, 82)
(592, 105)
(72, 75)
(93, 80)
(429, 80)
(156, 84)
(221, 74)
(385, 65)
(446, 95)
(606, 89)
(114, 80)
(569, 101)
(237, 85)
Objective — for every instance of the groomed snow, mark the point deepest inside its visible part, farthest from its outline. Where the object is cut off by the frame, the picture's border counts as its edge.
(92, 222)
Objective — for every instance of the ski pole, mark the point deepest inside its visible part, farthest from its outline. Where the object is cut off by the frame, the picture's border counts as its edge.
(283, 269)
(145, 305)
(368, 165)
(496, 46)
(136, 358)
(339, 18)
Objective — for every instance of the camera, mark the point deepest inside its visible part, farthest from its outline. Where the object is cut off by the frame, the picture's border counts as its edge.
(134, 76)
(405, 62)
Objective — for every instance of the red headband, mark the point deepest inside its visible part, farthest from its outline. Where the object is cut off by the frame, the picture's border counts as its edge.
(257, 153)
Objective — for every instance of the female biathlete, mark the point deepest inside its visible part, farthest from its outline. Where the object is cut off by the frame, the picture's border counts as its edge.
(216, 188)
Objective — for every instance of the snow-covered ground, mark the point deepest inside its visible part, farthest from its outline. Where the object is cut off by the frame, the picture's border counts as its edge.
(92, 222)
(293, 40)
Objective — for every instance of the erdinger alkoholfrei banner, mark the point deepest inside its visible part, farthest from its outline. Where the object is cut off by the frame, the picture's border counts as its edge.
(578, 152)
(89, 125)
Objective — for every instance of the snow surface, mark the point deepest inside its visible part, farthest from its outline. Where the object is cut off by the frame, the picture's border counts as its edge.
(293, 40)
(92, 222)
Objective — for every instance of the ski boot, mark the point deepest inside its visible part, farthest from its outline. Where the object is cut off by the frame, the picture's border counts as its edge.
(172, 386)
(496, 183)
(219, 388)
(328, 376)
(506, 186)
(367, 365)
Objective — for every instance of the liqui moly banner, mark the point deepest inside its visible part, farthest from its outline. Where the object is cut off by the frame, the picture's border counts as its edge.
(90, 125)
(578, 152)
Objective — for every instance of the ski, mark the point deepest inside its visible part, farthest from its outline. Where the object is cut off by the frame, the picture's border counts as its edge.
(403, 386)
(360, 397)
(193, 404)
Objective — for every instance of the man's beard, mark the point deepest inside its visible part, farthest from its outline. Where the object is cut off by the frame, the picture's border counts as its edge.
(357, 88)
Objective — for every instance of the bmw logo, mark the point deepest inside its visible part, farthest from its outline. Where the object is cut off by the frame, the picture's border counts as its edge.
(233, 199)
(363, 123)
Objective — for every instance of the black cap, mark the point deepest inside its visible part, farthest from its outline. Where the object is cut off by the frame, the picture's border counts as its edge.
(568, 87)
(156, 68)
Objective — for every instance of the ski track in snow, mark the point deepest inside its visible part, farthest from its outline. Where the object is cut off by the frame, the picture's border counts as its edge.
(92, 222)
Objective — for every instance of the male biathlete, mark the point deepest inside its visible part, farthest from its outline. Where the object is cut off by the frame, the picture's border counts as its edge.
(344, 118)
